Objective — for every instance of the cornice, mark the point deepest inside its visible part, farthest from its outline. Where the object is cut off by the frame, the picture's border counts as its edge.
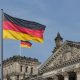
(67, 63)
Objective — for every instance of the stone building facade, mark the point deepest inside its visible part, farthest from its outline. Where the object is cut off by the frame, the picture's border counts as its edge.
(64, 63)
(20, 68)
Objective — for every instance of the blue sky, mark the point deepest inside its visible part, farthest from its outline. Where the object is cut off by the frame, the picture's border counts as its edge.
(58, 15)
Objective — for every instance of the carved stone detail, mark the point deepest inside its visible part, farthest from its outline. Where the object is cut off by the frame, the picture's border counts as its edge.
(67, 55)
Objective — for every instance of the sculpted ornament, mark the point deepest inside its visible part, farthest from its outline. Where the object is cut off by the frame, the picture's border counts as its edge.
(66, 56)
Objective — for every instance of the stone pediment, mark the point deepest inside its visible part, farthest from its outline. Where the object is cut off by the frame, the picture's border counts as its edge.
(67, 54)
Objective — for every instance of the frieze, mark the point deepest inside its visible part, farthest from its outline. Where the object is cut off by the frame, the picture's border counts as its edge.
(61, 66)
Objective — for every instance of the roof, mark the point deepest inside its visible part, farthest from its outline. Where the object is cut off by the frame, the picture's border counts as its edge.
(20, 58)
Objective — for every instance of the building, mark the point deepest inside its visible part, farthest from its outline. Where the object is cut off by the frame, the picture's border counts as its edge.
(64, 63)
(20, 68)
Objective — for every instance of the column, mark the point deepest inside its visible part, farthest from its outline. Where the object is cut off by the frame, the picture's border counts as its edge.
(77, 73)
(66, 76)
(55, 77)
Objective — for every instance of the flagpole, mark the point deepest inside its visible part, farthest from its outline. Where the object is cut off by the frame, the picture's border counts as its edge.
(20, 48)
(1, 44)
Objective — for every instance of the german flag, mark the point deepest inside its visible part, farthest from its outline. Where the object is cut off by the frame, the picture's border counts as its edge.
(25, 44)
(19, 29)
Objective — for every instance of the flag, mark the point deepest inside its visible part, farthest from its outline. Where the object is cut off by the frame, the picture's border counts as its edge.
(19, 29)
(25, 44)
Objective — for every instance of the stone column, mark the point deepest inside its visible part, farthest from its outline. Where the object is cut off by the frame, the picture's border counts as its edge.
(66, 76)
(77, 71)
(78, 74)
(55, 77)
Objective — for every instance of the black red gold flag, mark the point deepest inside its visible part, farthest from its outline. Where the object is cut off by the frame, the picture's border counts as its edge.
(19, 29)
(26, 44)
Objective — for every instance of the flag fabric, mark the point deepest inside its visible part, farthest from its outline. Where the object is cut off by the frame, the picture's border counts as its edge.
(19, 29)
(25, 44)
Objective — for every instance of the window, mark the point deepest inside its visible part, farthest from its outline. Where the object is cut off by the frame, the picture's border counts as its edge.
(21, 68)
(26, 69)
(31, 70)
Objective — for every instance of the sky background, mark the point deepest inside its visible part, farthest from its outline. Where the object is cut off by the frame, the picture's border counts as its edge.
(58, 15)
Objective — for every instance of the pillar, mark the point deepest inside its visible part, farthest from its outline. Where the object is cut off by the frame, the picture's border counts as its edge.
(66, 76)
(55, 77)
(77, 73)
